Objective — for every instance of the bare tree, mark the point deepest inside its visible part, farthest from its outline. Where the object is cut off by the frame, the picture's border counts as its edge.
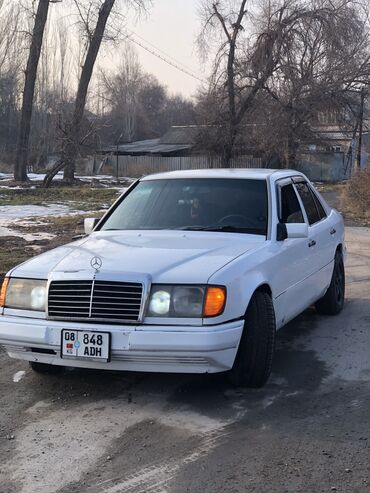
(234, 53)
(94, 37)
(122, 88)
(323, 61)
(63, 43)
(262, 49)
(11, 42)
(72, 130)
(9, 34)
(139, 106)
(20, 170)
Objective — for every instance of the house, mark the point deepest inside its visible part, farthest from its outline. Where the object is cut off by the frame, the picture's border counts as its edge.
(177, 141)
(329, 156)
(179, 148)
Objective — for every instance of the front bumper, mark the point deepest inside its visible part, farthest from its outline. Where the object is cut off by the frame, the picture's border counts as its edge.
(174, 349)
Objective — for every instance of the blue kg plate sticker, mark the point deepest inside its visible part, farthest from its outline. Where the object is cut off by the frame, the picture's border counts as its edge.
(77, 344)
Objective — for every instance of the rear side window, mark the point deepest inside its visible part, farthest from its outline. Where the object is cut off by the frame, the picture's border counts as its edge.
(308, 202)
(291, 211)
(319, 206)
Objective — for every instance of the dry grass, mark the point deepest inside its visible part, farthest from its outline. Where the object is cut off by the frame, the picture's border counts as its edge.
(81, 198)
(14, 250)
(355, 200)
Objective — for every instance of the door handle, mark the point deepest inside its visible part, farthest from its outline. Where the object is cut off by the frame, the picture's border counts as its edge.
(333, 231)
(312, 243)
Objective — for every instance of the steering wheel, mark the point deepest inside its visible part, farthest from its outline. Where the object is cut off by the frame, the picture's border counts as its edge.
(231, 219)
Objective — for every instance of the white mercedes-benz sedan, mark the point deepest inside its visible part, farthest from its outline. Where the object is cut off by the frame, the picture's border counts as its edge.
(189, 271)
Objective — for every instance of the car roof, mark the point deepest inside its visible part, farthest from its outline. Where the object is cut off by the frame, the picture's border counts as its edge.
(250, 173)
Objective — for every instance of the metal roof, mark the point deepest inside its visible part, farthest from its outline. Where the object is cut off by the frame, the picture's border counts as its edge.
(181, 135)
(252, 173)
(147, 147)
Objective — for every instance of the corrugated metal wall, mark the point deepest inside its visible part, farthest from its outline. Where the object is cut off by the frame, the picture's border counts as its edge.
(323, 166)
(142, 165)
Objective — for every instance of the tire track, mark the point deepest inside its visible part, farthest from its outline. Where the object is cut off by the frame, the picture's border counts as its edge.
(155, 478)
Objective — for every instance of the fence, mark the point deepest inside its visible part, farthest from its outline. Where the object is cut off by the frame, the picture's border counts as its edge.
(141, 165)
(323, 166)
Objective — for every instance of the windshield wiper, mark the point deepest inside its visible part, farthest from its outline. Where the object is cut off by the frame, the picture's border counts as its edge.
(226, 228)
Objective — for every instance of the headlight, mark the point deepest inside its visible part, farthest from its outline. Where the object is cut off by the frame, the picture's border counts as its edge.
(160, 302)
(186, 301)
(25, 294)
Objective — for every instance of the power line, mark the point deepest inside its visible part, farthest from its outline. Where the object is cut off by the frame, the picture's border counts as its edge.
(167, 55)
(163, 58)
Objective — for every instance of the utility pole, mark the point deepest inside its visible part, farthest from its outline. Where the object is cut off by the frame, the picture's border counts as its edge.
(361, 121)
(117, 162)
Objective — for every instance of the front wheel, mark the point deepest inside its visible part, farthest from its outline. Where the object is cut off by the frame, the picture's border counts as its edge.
(333, 300)
(253, 362)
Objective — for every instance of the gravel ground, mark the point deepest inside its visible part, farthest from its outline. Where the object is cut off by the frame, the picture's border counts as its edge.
(308, 430)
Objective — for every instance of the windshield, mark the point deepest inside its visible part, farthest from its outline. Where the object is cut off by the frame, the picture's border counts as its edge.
(230, 205)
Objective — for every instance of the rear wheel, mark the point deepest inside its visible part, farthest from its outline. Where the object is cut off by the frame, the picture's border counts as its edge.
(333, 300)
(45, 368)
(253, 362)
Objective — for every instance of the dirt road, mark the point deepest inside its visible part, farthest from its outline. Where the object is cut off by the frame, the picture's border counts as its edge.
(308, 430)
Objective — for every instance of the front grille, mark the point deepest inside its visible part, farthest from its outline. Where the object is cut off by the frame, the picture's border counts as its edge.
(95, 300)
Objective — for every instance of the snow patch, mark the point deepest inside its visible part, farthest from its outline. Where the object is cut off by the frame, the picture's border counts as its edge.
(17, 377)
(31, 176)
(12, 216)
(12, 212)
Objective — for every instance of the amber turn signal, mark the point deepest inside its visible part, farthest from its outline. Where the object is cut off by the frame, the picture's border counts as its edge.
(215, 301)
(4, 287)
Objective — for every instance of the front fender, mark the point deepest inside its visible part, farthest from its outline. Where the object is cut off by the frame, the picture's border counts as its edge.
(240, 289)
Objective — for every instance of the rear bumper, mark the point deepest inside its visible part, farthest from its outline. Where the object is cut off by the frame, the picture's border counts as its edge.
(180, 349)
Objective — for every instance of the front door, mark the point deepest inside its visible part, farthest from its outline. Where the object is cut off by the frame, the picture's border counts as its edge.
(295, 259)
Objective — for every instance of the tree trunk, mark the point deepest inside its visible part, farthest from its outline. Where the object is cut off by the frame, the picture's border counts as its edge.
(70, 149)
(20, 170)
(228, 148)
(292, 149)
(231, 37)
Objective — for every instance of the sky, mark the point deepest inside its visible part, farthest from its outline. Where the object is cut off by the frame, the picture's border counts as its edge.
(171, 26)
(168, 27)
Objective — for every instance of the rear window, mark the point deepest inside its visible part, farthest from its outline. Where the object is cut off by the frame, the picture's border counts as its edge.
(319, 206)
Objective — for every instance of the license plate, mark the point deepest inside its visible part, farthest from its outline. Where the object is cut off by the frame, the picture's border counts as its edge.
(84, 344)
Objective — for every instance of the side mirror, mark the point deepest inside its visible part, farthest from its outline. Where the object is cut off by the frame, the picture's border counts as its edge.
(291, 230)
(89, 224)
(297, 230)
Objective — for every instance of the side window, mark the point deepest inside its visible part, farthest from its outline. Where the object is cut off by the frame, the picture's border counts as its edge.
(319, 206)
(308, 202)
(290, 209)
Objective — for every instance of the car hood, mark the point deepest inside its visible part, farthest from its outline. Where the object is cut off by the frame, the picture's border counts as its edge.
(167, 257)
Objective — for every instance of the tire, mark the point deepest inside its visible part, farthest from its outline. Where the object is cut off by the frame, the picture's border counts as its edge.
(333, 300)
(45, 368)
(253, 362)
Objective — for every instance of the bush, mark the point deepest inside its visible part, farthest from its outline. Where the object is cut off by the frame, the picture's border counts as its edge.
(356, 194)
